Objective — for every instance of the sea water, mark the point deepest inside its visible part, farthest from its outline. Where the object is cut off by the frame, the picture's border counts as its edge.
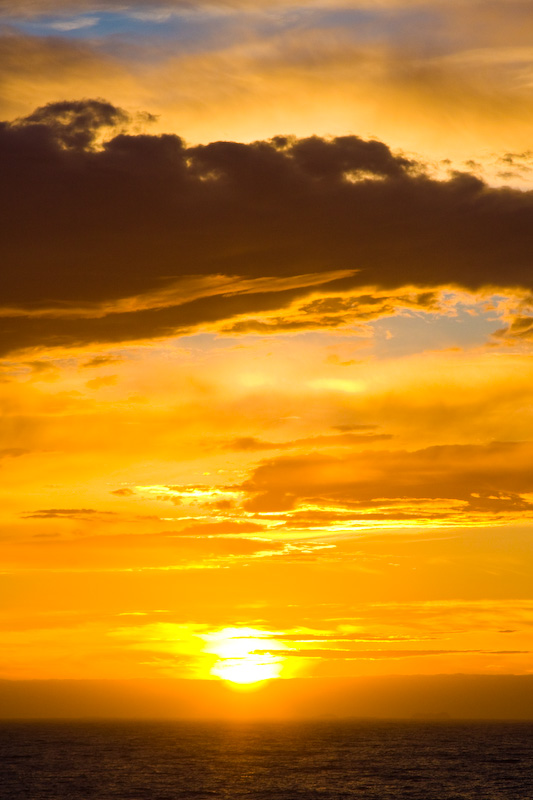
(266, 761)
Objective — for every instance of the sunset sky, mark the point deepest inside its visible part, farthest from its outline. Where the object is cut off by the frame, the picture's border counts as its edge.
(266, 331)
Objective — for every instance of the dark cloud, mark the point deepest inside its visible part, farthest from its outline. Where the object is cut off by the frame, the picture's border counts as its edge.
(100, 242)
(75, 125)
(515, 165)
(64, 513)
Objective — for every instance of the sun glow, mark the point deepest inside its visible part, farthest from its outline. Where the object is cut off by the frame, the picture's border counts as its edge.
(243, 655)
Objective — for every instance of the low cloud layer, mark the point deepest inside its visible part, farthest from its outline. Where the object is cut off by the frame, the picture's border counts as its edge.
(490, 479)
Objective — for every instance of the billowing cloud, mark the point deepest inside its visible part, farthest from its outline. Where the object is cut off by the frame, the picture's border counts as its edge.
(450, 80)
(118, 231)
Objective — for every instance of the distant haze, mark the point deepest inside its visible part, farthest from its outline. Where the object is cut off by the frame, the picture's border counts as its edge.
(419, 697)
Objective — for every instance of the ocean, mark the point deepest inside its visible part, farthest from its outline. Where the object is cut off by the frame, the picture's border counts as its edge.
(330, 760)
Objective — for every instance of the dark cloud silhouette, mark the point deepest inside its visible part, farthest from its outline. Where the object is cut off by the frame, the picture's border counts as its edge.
(101, 242)
(64, 513)
(76, 124)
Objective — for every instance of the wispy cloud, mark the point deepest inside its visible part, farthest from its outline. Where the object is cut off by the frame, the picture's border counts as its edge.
(74, 24)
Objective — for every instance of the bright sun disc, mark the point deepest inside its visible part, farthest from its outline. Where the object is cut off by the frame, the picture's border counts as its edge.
(238, 659)
(247, 670)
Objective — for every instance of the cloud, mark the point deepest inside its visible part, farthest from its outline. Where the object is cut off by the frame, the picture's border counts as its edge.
(161, 9)
(251, 443)
(379, 654)
(330, 636)
(65, 513)
(151, 551)
(102, 381)
(222, 528)
(101, 361)
(519, 329)
(74, 125)
(334, 311)
(142, 214)
(455, 481)
(77, 23)
(448, 80)
(40, 366)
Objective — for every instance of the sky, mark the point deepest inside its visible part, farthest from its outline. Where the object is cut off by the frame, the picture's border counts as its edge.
(266, 324)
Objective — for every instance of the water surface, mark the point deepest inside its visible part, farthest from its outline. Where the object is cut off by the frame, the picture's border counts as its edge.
(266, 761)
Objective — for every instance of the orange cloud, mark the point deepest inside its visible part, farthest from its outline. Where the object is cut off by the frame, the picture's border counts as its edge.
(470, 479)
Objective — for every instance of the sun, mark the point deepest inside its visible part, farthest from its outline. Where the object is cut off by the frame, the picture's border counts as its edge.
(247, 670)
(244, 655)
